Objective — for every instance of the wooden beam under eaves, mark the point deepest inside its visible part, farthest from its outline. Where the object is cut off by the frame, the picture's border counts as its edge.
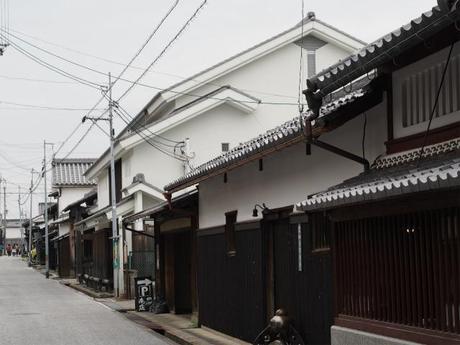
(323, 125)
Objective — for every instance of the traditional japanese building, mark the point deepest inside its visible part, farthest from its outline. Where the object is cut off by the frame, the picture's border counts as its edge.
(371, 253)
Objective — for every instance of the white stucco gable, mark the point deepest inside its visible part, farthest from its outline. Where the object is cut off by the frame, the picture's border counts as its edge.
(311, 26)
(224, 95)
(168, 109)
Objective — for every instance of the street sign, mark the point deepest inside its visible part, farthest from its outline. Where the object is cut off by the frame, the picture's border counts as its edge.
(144, 293)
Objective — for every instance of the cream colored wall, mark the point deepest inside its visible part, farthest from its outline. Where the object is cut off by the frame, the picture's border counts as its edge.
(289, 176)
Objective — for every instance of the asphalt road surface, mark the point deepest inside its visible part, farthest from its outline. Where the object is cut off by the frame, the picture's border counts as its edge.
(36, 311)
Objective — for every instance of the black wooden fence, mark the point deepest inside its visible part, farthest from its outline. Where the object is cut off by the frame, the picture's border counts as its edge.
(403, 269)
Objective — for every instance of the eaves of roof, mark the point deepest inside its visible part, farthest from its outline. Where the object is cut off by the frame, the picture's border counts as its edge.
(88, 197)
(124, 133)
(434, 173)
(382, 50)
(287, 134)
(159, 207)
(102, 211)
(306, 21)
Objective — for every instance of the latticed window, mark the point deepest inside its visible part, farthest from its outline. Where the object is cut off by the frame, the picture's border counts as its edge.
(403, 269)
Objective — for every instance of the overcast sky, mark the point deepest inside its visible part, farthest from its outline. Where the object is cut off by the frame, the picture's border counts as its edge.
(114, 30)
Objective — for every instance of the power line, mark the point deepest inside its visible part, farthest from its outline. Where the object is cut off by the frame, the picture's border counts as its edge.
(132, 125)
(149, 38)
(52, 67)
(93, 69)
(164, 49)
(37, 80)
(43, 107)
(78, 142)
(146, 139)
(115, 81)
(94, 56)
(160, 89)
(133, 67)
(6, 158)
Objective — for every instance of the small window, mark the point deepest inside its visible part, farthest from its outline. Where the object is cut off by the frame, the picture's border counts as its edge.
(225, 147)
(311, 63)
(230, 221)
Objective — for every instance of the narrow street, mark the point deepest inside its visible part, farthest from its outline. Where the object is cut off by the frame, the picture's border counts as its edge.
(34, 310)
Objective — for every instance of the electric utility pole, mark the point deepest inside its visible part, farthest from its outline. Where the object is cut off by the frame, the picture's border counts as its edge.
(47, 259)
(20, 219)
(5, 211)
(1, 220)
(113, 201)
(30, 219)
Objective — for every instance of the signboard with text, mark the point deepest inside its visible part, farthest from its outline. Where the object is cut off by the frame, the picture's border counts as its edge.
(144, 293)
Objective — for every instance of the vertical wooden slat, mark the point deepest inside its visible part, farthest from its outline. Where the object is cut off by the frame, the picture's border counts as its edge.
(353, 269)
(456, 259)
(378, 269)
(383, 277)
(440, 268)
(412, 268)
(371, 277)
(429, 269)
(447, 268)
(456, 267)
(418, 268)
(423, 267)
(452, 273)
(391, 274)
(396, 262)
(360, 268)
(436, 283)
(336, 269)
(386, 261)
(407, 273)
(346, 263)
(365, 246)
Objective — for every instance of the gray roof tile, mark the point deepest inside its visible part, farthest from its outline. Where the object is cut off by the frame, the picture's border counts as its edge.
(284, 132)
(69, 172)
(382, 50)
(438, 169)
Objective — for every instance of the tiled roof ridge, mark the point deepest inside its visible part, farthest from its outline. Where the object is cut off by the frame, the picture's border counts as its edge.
(70, 172)
(425, 180)
(73, 160)
(384, 48)
(440, 168)
(414, 154)
(255, 144)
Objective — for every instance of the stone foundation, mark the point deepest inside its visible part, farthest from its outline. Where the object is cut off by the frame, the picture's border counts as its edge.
(348, 336)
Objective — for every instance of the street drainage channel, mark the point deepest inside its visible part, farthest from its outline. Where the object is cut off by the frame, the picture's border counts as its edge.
(143, 322)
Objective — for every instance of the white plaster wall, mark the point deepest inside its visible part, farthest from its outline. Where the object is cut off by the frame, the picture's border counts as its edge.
(12, 233)
(127, 174)
(328, 55)
(64, 228)
(272, 78)
(289, 176)
(71, 194)
(102, 189)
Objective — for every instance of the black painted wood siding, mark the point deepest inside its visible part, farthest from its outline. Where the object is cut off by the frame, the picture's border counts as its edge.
(231, 289)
